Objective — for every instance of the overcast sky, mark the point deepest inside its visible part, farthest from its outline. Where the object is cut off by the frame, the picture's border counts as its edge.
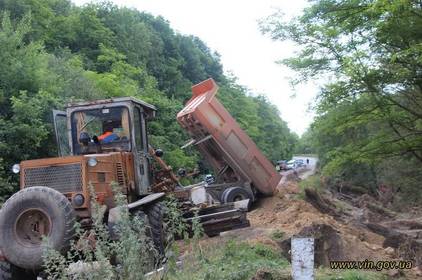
(231, 29)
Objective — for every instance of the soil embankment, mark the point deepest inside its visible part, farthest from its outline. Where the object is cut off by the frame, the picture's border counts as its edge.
(347, 227)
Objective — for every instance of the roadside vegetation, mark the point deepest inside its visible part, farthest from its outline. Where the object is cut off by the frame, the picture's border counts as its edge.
(232, 260)
(367, 57)
(129, 252)
(126, 252)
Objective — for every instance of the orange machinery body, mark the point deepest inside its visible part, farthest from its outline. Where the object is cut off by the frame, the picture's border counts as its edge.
(222, 142)
(71, 175)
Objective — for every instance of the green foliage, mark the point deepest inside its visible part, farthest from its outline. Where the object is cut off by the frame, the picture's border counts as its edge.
(277, 235)
(95, 255)
(312, 182)
(232, 260)
(54, 52)
(369, 110)
(305, 144)
(260, 119)
(176, 224)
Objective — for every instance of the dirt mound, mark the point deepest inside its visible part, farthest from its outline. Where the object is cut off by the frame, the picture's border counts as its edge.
(292, 216)
(323, 204)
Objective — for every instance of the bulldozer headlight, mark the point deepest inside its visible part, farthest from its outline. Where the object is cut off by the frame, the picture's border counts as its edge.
(16, 168)
(78, 200)
(92, 162)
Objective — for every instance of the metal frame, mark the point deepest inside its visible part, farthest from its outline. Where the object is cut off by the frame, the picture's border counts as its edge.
(147, 112)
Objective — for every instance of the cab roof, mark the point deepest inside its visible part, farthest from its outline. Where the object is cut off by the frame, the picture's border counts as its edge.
(113, 100)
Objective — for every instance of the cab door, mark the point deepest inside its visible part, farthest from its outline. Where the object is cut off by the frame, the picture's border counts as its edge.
(62, 133)
(141, 151)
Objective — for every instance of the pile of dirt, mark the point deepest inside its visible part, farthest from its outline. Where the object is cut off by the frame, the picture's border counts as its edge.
(348, 226)
(296, 217)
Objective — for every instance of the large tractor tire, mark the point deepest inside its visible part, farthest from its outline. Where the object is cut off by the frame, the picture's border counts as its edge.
(233, 194)
(155, 214)
(9, 271)
(29, 215)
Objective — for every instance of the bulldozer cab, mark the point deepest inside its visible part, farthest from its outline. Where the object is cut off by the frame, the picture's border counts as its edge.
(104, 126)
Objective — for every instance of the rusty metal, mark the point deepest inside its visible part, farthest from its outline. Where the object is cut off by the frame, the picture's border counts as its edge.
(64, 178)
(219, 138)
(31, 226)
(164, 178)
(71, 176)
(216, 219)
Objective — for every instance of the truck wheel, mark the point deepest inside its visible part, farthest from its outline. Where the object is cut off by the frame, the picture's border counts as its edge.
(155, 214)
(9, 271)
(29, 215)
(236, 194)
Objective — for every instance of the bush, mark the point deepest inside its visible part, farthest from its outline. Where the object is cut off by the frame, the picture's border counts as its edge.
(95, 254)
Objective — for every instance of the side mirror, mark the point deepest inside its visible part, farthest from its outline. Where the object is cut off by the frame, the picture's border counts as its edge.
(95, 139)
(84, 138)
(159, 153)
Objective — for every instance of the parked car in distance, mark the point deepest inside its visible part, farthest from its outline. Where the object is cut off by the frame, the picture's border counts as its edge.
(299, 163)
(291, 164)
(281, 165)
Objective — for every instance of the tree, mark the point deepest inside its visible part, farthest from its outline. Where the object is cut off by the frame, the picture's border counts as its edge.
(369, 53)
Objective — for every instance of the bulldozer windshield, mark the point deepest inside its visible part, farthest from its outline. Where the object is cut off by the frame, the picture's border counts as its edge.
(107, 128)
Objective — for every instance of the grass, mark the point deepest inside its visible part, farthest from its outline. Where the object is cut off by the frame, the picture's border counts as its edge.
(242, 261)
(312, 182)
(277, 235)
(232, 261)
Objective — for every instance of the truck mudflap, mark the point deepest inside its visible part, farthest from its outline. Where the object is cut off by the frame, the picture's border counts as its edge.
(220, 218)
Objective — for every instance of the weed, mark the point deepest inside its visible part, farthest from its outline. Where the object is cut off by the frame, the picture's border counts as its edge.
(231, 260)
(312, 182)
(95, 255)
(277, 235)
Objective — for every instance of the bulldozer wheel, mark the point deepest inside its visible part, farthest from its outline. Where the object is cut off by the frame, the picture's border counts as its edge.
(9, 271)
(29, 215)
(155, 214)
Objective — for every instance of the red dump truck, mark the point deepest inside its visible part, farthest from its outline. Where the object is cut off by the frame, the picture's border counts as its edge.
(241, 170)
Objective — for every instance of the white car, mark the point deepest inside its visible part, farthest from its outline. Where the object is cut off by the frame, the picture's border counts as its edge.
(291, 164)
